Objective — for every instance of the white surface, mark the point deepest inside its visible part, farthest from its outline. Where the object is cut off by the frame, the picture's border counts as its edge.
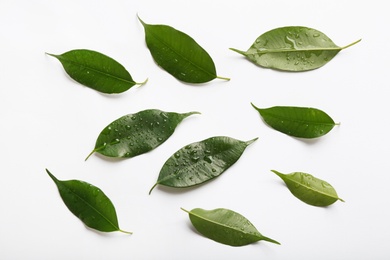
(49, 121)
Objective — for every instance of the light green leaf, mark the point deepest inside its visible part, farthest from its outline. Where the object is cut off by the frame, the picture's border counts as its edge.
(225, 226)
(292, 48)
(309, 189)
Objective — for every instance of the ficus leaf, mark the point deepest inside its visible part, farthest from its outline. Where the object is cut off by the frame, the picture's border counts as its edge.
(303, 122)
(225, 226)
(89, 204)
(96, 70)
(309, 189)
(179, 54)
(292, 48)
(138, 133)
(201, 161)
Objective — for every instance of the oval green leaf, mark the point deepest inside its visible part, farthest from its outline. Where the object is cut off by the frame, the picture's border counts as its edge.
(179, 54)
(292, 48)
(96, 70)
(309, 189)
(201, 161)
(303, 122)
(138, 133)
(226, 226)
(89, 204)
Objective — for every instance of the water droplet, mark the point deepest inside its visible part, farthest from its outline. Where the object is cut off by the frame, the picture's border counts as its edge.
(164, 115)
(195, 158)
(115, 141)
(207, 159)
(128, 127)
(133, 117)
(127, 154)
(316, 35)
(188, 147)
(177, 155)
(213, 170)
(159, 139)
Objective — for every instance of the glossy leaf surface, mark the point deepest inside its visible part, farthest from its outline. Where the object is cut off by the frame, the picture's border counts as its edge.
(309, 189)
(303, 122)
(179, 54)
(89, 204)
(292, 48)
(138, 133)
(226, 226)
(96, 70)
(201, 161)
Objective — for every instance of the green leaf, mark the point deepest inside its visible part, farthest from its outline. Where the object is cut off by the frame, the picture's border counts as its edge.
(201, 161)
(138, 133)
(96, 70)
(292, 48)
(303, 122)
(309, 189)
(225, 226)
(89, 204)
(179, 54)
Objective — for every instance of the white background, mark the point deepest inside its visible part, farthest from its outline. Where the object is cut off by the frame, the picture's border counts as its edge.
(50, 121)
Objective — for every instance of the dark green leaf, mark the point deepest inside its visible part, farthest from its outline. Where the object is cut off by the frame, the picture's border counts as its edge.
(292, 48)
(304, 122)
(179, 54)
(96, 70)
(201, 161)
(309, 189)
(226, 226)
(89, 204)
(138, 133)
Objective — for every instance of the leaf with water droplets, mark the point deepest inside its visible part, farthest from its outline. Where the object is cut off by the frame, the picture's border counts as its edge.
(303, 122)
(179, 54)
(226, 226)
(89, 204)
(138, 133)
(309, 189)
(201, 161)
(292, 48)
(96, 70)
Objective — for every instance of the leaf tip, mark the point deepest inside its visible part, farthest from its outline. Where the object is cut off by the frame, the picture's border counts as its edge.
(251, 141)
(238, 51)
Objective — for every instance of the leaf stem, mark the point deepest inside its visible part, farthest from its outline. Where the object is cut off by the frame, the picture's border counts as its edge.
(153, 188)
(185, 210)
(142, 83)
(223, 78)
(126, 232)
(238, 51)
(349, 45)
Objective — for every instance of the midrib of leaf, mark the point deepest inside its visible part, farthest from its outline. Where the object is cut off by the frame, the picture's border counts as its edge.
(303, 185)
(185, 58)
(296, 50)
(302, 121)
(93, 69)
